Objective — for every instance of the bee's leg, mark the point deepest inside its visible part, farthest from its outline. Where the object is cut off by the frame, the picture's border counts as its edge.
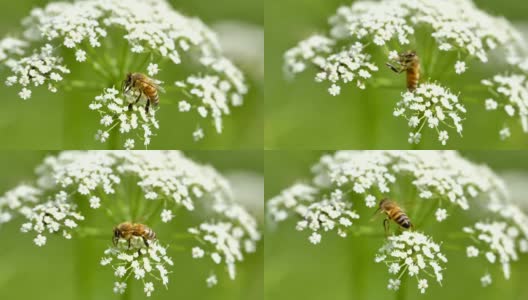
(394, 69)
(386, 226)
(147, 106)
(128, 244)
(146, 242)
(135, 102)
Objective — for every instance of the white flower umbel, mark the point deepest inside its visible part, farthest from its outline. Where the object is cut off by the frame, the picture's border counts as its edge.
(157, 184)
(441, 178)
(116, 116)
(54, 216)
(510, 97)
(342, 67)
(365, 35)
(144, 264)
(412, 254)
(431, 106)
(143, 31)
(454, 25)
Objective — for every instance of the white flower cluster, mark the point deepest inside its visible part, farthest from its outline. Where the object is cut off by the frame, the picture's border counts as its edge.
(413, 254)
(38, 69)
(498, 242)
(456, 25)
(432, 105)
(145, 264)
(53, 216)
(11, 46)
(440, 176)
(18, 200)
(510, 95)
(292, 201)
(115, 115)
(226, 241)
(344, 66)
(165, 178)
(327, 215)
(151, 28)
(360, 31)
(210, 96)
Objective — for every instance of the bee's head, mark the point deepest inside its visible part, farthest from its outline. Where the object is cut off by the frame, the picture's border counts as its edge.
(383, 202)
(407, 56)
(117, 234)
(127, 83)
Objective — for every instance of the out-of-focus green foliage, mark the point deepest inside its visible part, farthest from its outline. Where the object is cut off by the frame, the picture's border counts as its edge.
(63, 120)
(300, 114)
(68, 269)
(344, 269)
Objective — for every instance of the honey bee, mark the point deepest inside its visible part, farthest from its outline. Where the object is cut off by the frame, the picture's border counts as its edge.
(408, 61)
(127, 230)
(143, 86)
(394, 213)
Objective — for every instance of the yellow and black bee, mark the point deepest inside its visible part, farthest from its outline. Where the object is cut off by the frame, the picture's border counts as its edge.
(410, 62)
(394, 213)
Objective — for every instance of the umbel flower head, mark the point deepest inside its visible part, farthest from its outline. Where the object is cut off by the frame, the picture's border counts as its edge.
(347, 187)
(159, 185)
(448, 38)
(151, 37)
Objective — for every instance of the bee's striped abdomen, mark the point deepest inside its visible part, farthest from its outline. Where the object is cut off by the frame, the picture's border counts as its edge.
(150, 234)
(398, 216)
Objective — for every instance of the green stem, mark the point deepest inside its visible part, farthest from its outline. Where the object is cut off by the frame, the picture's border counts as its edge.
(370, 122)
(127, 295)
(85, 256)
(401, 294)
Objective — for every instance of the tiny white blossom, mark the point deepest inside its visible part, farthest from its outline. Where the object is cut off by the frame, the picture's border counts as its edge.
(486, 280)
(472, 251)
(198, 134)
(184, 106)
(197, 252)
(120, 287)
(80, 55)
(152, 69)
(315, 238)
(129, 144)
(491, 104)
(460, 67)
(40, 240)
(422, 285)
(504, 133)
(441, 214)
(334, 90)
(394, 284)
(148, 288)
(370, 201)
(166, 215)
(25, 94)
(211, 281)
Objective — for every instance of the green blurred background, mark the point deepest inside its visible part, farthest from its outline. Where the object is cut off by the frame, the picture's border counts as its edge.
(344, 269)
(62, 268)
(63, 121)
(300, 114)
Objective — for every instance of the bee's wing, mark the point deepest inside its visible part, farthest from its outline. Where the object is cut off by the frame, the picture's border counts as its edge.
(154, 83)
(157, 84)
